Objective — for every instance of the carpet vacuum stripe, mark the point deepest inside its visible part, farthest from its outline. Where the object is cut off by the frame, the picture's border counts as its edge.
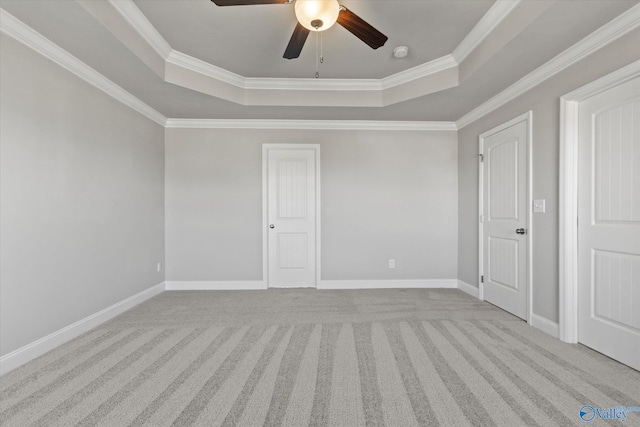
(394, 363)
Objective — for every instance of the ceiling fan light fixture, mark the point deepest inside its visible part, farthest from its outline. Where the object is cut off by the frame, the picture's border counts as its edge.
(317, 15)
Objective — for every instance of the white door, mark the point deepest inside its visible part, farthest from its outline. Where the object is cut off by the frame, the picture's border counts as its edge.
(504, 215)
(291, 215)
(609, 223)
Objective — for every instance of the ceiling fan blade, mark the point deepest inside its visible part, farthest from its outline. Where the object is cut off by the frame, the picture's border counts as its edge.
(296, 43)
(361, 29)
(246, 2)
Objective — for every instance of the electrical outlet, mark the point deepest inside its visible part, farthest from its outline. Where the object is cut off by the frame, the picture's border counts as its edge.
(392, 263)
(159, 267)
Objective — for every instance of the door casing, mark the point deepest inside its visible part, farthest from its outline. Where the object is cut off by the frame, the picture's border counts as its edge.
(528, 117)
(265, 206)
(568, 238)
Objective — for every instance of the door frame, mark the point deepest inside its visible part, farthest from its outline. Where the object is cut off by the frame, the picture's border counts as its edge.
(528, 118)
(265, 205)
(568, 227)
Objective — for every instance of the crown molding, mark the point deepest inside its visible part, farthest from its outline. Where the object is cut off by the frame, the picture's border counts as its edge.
(258, 83)
(310, 125)
(13, 27)
(141, 24)
(288, 92)
(250, 83)
(422, 79)
(306, 84)
(606, 34)
(194, 64)
(424, 70)
(494, 16)
(135, 18)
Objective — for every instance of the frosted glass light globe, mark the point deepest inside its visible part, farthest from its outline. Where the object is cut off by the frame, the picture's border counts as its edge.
(314, 12)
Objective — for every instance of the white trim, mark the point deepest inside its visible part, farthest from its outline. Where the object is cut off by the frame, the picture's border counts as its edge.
(480, 218)
(528, 118)
(201, 67)
(139, 22)
(418, 72)
(311, 84)
(609, 81)
(318, 216)
(322, 284)
(13, 27)
(132, 15)
(215, 285)
(568, 222)
(179, 68)
(41, 346)
(494, 16)
(389, 284)
(265, 207)
(545, 325)
(530, 228)
(265, 218)
(136, 19)
(568, 245)
(310, 124)
(468, 289)
(618, 27)
(606, 34)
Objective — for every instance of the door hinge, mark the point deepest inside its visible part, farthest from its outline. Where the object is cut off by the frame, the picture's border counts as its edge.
(481, 157)
(481, 218)
(482, 279)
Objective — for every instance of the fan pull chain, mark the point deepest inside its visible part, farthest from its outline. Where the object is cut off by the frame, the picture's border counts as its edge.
(317, 56)
(319, 53)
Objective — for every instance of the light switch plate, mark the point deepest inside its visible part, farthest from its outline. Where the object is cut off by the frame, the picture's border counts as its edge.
(539, 206)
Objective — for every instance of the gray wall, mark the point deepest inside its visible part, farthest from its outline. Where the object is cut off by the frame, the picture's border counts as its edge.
(544, 101)
(82, 178)
(389, 194)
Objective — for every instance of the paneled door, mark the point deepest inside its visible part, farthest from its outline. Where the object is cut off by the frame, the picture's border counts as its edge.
(609, 222)
(504, 215)
(291, 215)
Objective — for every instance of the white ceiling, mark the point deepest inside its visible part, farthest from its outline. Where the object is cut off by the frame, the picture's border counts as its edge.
(238, 47)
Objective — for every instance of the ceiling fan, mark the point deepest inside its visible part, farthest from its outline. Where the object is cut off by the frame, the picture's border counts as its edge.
(318, 15)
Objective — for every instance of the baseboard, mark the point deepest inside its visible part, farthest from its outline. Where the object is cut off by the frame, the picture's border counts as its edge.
(468, 289)
(227, 285)
(39, 347)
(545, 325)
(387, 284)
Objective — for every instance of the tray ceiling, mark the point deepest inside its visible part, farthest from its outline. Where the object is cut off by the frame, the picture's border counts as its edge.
(192, 59)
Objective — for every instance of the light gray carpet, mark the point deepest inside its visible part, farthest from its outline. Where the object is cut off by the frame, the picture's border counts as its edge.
(308, 357)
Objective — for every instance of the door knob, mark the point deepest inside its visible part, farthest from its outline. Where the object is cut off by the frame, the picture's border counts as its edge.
(272, 226)
(521, 231)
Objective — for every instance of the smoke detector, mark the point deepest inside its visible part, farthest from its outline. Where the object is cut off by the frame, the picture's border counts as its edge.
(400, 51)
